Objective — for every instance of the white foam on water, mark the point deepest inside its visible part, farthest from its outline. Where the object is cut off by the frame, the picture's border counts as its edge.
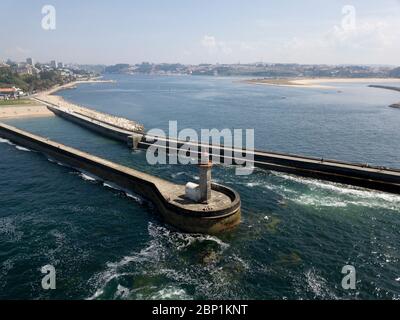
(318, 285)
(341, 188)
(6, 266)
(315, 201)
(122, 292)
(58, 163)
(15, 145)
(170, 293)
(22, 148)
(318, 200)
(245, 264)
(155, 254)
(175, 175)
(128, 193)
(134, 197)
(331, 194)
(183, 240)
(150, 254)
(88, 177)
(96, 295)
(9, 228)
(111, 186)
(93, 178)
(6, 141)
(106, 277)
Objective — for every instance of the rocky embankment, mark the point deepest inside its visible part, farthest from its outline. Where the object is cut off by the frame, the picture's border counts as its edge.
(49, 97)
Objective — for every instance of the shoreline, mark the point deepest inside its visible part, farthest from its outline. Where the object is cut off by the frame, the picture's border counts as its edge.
(35, 109)
(24, 111)
(316, 83)
(73, 85)
(53, 101)
(49, 96)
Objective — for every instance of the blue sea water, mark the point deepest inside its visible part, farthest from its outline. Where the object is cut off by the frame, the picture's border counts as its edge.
(296, 234)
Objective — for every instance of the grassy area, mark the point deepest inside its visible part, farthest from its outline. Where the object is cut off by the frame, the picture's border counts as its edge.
(16, 102)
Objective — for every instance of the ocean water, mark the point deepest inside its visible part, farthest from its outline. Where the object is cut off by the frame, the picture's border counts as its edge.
(296, 234)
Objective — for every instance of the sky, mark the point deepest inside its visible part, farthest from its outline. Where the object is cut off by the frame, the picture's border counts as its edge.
(202, 31)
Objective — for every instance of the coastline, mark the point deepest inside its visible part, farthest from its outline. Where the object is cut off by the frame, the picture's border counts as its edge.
(49, 96)
(24, 111)
(34, 109)
(316, 83)
(53, 102)
(72, 85)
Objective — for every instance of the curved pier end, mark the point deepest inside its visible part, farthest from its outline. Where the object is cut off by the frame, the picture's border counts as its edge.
(221, 213)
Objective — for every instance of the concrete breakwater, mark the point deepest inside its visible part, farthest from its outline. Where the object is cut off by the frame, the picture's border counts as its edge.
(362, 175)
(394, 105)
(384, 87)
(117, 122)
(220, 214)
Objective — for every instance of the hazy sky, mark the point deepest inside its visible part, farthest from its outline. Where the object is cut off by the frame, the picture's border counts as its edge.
(196, 31)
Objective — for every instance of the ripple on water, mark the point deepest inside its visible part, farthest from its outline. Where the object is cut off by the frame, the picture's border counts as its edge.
(9, 231)
(318, 193)
(13, 144)
(172, 265)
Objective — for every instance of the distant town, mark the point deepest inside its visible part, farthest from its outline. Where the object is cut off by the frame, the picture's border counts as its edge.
(267, 70)
(22, 78)
(18, 79)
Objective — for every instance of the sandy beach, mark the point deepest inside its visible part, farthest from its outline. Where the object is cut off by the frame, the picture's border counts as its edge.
(318, 83)
(24, 111)
(31, 108)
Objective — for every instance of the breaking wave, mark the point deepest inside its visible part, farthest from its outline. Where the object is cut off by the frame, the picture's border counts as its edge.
(88, 177)
(22, 148)
(164, 257)
(15, 145)
(318, 286)
(318, 193)
(6, 141)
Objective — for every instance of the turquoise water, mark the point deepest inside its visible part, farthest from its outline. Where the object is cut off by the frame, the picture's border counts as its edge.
(296, 233)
